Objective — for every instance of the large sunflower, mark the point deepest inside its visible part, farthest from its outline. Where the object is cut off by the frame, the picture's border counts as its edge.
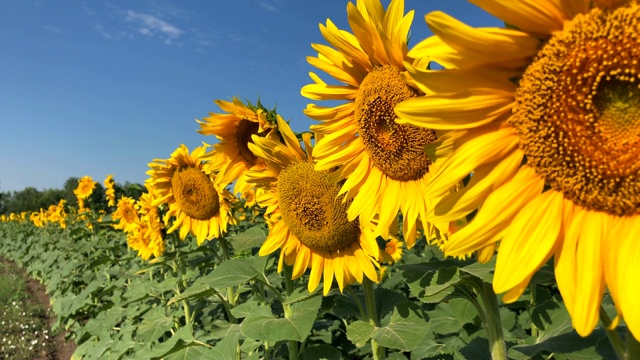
(308, 222)
(231, 157)
(198, 205)
(553, 148)
(384, 163)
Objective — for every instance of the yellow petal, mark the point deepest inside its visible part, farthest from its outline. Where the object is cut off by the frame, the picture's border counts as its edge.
(328, 274)
(466, 109)
(529, 241)
(483, 44)
(302, 262)
(289, 137)
(482, 149)
(565, 257)
(317, 262)
(485, 179)
(515, 292)
(496, 213)
(589, 274)
(626, 255)
(537, 16)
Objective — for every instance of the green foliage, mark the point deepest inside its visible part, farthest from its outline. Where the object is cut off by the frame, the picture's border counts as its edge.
(221, 300)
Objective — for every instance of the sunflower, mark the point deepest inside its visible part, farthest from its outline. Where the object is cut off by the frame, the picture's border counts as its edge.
(384, 163)
(307, 220)
(145, 236)
(85, 187)
(126, 214)
(394, 249)
(553, 148)
(231, 157)
(200, 206)
(110, 192)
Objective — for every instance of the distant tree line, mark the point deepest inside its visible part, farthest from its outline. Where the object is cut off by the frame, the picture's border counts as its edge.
(31, 199)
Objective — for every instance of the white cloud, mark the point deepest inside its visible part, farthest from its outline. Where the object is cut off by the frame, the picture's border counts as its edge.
(111, 35)
(269, 5)
(102, 32)
(150, 25)
(53, 29)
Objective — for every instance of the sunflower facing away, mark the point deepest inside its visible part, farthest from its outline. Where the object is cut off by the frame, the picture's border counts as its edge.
(199, 206)
(126, 214)
(145, 236)
(307, 220)
(110, 192)
(554, 148)
(231, 157)
(85, 187)
(384, 163)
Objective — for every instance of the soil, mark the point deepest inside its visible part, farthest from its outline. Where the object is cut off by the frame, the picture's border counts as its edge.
(61, 349)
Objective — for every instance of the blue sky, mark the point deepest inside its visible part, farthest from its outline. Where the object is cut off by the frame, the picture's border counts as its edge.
(104, 87)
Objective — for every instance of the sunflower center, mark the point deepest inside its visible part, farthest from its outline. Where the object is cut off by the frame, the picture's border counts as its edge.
(397, 150)
(578, 110)
(242, 138)
(194, 193)
(311, 210)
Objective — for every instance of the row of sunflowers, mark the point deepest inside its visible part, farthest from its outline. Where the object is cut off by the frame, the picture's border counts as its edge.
(514, 141)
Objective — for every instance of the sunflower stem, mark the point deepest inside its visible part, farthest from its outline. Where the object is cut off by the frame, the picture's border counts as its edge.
(232, 298)
(633, 347)
(612, 334)
(289, 286)
(493, 322)
(363, 313)
(372, 315)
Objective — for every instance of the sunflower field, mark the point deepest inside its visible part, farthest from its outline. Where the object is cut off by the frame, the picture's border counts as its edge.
(472, 197)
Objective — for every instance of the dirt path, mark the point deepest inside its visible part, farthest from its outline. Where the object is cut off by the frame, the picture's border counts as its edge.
(62, 349)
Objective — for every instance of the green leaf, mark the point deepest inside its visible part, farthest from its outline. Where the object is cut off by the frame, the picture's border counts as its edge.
(478, 348)
(223, 329)
(182, 336)
(234, 272)
(251, 238)
(387, 300)
(242, 310)
(401, 332)
(154, 325)
(552, 319)
(261, 323)
(193, 292)
(556, 335)
(568, 346)
(191, 351)
(441, 285)
(300, 294)
(225, 349)
(426, 348)
(434, 281)
(359, 332)
(481, 271)
(449, 318)
(320, 352)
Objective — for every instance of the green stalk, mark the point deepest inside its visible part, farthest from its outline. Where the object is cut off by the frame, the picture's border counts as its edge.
(533, 287)
(363, 313)
(379, 352)
(614, 337)
(493, 322)
(232, 298)
(288, 283)
(633, 347)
